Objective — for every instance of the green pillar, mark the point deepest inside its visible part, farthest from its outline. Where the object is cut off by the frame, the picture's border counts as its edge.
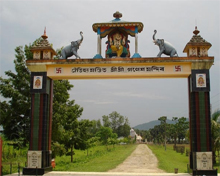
(39, 153)
(200, 123)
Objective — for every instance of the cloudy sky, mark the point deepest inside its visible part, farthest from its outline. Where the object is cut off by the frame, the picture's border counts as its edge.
(141, 100)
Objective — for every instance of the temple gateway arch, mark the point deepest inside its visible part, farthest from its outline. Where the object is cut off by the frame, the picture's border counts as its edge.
(119, 63)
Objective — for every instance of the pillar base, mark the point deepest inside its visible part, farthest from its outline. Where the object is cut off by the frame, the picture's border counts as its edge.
(136, 55)
(98, 56)
(205, 172)
(36, 171)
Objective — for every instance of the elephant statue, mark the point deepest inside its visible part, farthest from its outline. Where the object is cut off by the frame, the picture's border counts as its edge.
(165, 47)
(71, 49)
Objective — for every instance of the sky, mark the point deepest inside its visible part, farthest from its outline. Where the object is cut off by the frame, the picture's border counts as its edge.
(140, 100)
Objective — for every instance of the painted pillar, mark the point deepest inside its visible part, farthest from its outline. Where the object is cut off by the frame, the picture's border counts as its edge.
(99, 45)
(200, 115)
(136, 54)
(41, 124)
(136, 39)
(99, 42)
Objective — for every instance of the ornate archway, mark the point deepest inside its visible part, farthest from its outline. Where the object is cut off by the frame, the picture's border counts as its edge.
(195, 67)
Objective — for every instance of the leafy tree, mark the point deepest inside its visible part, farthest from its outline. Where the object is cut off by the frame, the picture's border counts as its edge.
(91, 142)
(187, 135)
(70, 126)
(215, 132)
(105, 133)
(60, 99)
(106, 121)
(156, 133)
(96, 125)
(84, 134)
(163, 124)
(58, 149)
(117, 122)
(112, 141)
(182, 126)
(174, 130)
(15, 112)
(124, 129)
(147, 135)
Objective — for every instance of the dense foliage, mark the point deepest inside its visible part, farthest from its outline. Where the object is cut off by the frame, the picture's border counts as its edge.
(215, 131)
(118, 123)
(15, 110)
(165, 132)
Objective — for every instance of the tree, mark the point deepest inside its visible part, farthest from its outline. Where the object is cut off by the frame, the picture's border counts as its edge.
(96, 125)
(147, 135)
(156, 133)
(215, 132)
(60, 99)
(117, 122)
(106, 121)
(179, 129)
(182, 126)
(84, 134)
(15, 117)
(112, 141)
(163, 123)
(174, 130)
(70, 126)
(124, 129)
(105, 133)
(91, 142)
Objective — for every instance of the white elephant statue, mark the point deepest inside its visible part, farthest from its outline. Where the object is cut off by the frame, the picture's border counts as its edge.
(71, 49)
(165, 47)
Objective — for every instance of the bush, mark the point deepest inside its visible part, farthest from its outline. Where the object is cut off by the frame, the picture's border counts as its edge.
(58, 149)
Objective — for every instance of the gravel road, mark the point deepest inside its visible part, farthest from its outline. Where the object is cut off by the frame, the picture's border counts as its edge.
(142, 160)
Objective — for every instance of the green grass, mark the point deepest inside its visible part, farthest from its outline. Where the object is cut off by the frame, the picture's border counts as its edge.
(170, 159)
(11, 158)
(99, 160)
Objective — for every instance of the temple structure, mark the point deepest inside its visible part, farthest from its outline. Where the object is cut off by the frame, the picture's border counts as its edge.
(43, 49)
(117, 32)
(117, 64)
(197, 46)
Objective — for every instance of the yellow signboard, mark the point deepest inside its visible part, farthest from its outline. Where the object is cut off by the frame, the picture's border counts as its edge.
(178, 67)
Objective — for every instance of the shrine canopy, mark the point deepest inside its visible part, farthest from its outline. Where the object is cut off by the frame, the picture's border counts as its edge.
(105, 28)
(117, 32)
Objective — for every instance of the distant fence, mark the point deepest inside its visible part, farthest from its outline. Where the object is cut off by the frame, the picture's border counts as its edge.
(9, 168)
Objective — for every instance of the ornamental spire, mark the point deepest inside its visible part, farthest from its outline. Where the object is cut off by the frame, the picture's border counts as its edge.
(117, 15)
(44, 36)
(196, 31)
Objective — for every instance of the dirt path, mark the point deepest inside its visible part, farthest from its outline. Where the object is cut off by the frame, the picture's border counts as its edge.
(142, 160)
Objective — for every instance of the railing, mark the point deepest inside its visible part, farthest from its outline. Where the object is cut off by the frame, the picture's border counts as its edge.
(9, 168)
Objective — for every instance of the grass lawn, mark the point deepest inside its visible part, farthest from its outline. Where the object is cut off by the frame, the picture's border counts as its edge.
(14, 158)
(170, 159)
(99, 160)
